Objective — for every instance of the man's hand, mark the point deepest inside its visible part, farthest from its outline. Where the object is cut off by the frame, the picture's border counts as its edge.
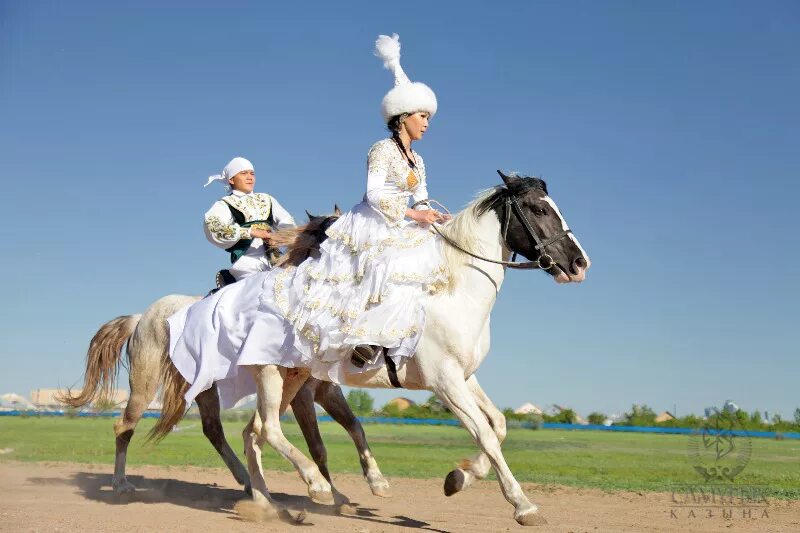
(263, 234)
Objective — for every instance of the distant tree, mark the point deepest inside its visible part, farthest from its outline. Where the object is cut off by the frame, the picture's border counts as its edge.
(360, 401)
(797, 416)
(391, 410)
(776, 419)
(596, 418)
(688, 421)
(755, 419)
(640, 415)
(566, 416)
(435, 405)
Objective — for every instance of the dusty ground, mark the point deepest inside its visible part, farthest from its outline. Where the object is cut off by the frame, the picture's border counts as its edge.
(76, 497)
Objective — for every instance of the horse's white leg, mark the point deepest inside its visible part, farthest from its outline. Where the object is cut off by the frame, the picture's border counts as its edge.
(454, 392)
(478, 466)
(123, 429)
(143, 381)
(272, 401)
(252, 450)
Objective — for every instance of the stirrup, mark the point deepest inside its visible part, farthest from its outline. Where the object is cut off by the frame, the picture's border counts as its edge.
(362, 354)
(224, 277)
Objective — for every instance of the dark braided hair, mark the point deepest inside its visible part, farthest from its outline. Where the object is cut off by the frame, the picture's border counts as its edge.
(394, 126)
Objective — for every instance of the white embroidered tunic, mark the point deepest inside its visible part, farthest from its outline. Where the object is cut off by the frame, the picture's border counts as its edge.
(368, 286)
(391, 182)
(223, 231)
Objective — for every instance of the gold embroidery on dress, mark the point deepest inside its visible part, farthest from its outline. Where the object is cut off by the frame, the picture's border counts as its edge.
(255, 206)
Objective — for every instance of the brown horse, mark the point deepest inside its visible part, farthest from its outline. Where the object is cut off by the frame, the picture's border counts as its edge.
(148, 334)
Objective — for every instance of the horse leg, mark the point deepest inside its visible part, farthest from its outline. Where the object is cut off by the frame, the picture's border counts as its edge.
(276, 388)
(478, 466)
(143, 380)
(306, 416)
(330, 397)
(252, 451)
(451, 388)
(208, 404)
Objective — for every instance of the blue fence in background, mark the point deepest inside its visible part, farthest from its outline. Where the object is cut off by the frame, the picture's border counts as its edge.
(452, 422)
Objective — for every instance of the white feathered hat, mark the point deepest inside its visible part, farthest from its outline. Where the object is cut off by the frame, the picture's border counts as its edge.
(407, 96)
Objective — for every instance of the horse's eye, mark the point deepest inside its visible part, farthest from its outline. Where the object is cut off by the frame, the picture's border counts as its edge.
(539, 212)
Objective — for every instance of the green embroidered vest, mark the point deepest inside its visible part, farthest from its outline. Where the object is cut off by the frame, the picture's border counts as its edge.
(239, 249)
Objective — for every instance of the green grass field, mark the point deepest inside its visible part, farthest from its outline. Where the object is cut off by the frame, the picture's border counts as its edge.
(580, 458)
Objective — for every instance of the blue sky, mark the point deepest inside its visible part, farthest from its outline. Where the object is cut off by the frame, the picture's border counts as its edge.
(667, 132)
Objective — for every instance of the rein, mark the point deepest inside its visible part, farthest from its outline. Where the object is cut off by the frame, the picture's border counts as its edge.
(545, 260)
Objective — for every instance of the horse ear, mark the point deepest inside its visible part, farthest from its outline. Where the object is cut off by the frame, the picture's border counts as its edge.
(310, 216)
(506, 179)
(336, 210)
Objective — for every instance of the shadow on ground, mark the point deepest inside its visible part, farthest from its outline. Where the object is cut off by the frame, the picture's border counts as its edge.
(97, 487)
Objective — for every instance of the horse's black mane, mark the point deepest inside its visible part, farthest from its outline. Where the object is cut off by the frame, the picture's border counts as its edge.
(515, 188)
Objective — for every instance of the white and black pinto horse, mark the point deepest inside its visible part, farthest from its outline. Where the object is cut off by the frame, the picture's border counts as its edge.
(516, 217)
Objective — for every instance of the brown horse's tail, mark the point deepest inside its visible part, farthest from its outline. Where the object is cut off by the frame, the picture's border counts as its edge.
(173, 404)
(102, 362)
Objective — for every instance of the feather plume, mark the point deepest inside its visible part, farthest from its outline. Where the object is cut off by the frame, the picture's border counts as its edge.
(388, 50)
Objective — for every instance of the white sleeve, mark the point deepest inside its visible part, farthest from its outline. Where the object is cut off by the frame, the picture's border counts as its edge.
(422, 191)
(221, 229)
(393, 207)
(281, 216)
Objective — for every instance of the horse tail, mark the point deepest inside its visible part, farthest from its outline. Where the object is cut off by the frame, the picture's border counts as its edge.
(173, 405)
(102, 362)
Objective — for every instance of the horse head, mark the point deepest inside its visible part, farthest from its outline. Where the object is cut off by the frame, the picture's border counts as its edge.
(303, 241)
(533, 226)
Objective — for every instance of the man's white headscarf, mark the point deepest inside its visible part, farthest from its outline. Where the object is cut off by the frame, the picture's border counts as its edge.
(236, 165)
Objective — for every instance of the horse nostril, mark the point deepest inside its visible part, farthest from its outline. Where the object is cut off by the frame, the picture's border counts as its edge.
(578, 264)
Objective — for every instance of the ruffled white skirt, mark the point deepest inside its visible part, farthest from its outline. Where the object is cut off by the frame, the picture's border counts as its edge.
(368, 286)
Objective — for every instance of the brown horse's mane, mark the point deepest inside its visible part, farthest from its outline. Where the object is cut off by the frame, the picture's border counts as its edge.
(301, 241)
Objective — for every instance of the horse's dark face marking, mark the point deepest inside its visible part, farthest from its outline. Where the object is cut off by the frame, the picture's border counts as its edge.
(542, 213)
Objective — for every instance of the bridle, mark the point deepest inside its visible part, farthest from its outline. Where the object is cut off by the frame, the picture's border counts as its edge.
(511, 205)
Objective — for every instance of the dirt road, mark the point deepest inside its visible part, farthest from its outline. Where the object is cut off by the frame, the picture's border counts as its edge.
(76, 497)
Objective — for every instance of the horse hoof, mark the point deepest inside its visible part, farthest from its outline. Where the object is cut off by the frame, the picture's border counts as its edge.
(381, 489)
(531, 517)
(321, 497)
(454, 482)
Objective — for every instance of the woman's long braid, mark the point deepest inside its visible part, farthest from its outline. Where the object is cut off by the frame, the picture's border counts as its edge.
(399, 142)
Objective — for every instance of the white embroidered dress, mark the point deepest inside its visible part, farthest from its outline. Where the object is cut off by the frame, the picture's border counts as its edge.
(368, 287)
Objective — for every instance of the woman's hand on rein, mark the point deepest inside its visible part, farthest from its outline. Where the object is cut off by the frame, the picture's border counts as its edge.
(428, 216)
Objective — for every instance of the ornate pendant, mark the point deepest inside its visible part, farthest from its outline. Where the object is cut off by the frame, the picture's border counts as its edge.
(411, 180)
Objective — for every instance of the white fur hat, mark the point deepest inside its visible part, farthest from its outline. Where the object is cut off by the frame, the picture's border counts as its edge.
(406, 96)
